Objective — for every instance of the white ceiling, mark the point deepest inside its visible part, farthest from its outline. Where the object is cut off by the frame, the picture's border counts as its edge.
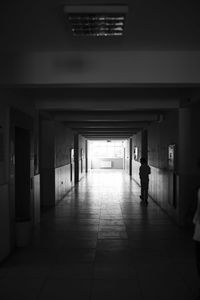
(150, 25)
(154, 25)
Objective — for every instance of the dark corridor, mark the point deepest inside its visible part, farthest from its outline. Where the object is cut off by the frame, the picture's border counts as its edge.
(101, 243)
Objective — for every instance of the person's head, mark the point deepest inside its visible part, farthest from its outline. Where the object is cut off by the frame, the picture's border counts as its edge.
(143, 160)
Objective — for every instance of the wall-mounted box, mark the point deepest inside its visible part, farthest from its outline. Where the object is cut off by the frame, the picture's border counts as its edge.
(135, 153)
(171, 156)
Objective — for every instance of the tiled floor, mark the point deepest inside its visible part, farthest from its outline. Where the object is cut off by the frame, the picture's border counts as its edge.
(100, 243)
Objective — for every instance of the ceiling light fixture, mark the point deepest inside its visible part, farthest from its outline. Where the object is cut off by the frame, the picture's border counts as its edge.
(94, 20)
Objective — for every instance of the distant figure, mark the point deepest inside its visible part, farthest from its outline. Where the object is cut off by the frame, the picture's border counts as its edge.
(144, 172)
(196, 236)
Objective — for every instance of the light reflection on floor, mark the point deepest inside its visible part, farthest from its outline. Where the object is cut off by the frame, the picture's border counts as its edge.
(100, 243)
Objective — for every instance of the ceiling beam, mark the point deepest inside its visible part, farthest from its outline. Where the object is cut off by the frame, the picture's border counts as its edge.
(99, 116)
(94, 138)
(107, 133)
(104, 130)
(125, 135)
(108, 138)
(112, 99)
(106, 125)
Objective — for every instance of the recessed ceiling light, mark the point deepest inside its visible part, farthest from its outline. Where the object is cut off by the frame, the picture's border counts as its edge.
(96, 20)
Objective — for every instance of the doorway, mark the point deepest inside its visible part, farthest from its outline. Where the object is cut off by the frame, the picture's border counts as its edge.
(71, 164)
(106, 154)
(22, 174)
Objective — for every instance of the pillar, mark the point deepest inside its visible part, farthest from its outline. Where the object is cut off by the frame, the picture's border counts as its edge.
(86, 156)
(47, 163)
(130, 156)
(144, 144)
(76, 158)
(185, 173)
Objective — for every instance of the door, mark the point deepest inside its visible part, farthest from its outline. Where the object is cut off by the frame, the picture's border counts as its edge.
(71, 164)
(21, 170)
(22, 174)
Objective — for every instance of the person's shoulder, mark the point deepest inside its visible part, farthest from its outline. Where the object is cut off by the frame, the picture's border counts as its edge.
(149, 169)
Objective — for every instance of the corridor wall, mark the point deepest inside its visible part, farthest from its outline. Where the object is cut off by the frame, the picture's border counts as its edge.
(47, 163)
(56, 142)
(8, 100)
(63, 145)
(127, 156)
(82, 157)
(136, 155)
(4, 183)
(176, 190)
(189, 161)
(162, 187)
(160, 136)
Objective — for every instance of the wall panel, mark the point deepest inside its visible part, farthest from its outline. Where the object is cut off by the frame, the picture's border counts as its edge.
(4, 222)
(62, 182)
(161, 186)
(36, 192)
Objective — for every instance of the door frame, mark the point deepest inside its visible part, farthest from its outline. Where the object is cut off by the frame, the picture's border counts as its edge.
(24, 121)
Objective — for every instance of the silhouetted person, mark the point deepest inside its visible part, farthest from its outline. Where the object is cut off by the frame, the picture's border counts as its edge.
(144, 172)
(196, 236)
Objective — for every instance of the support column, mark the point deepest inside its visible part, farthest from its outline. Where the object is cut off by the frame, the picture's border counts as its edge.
(47, 163)
(144, 144)
(36, 177)
(86, 156)
(76, 158)
(184, 167)
(130, 156)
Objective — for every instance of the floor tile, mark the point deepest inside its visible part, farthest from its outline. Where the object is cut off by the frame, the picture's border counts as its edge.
(99, 242)
(20, 288)
(72, 271)
(116, 290)
(116, 270)
(112, 235)
(62, 289)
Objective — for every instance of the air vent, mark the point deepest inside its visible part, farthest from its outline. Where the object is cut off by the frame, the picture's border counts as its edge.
(96, 20)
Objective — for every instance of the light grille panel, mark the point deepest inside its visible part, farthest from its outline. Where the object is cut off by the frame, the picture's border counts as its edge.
(96, 23)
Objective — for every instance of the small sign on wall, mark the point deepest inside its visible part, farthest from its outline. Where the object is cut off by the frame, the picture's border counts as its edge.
(135, 153)
(171, 156)
(71, 155)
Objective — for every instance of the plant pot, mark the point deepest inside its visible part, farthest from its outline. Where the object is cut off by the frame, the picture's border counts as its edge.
(23, 232)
